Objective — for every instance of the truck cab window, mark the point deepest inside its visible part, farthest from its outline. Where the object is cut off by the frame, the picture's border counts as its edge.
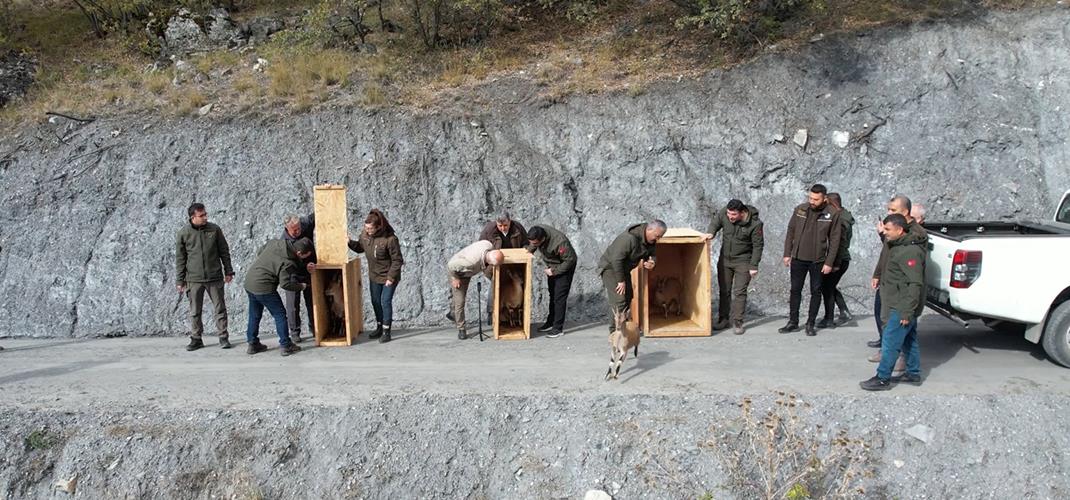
(1063, 215)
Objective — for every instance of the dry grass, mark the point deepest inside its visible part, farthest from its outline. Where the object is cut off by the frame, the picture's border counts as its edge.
(626, 47)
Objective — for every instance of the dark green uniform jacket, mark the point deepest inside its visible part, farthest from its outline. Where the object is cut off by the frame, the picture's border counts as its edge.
(384, 255)
(915, 233)
(625, 253)
(201, 255)
(276, 265)
(903, 278)
(741, 241)
(847, 225)
(556, 250)
(813, 235)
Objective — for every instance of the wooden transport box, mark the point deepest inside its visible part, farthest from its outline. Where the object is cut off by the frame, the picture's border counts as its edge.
(515, 267)
(682, 255)
(335, 275)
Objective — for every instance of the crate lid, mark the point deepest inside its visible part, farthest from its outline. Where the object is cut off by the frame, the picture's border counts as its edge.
(681, 232)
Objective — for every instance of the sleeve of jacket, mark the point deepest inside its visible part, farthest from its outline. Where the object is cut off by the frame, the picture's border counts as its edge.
(758, 245)
(881, 261)
(180, 259)
(522, 233)
(456, 266)
(224, 254)
(396, 261)
(488, 232)
(835, 233)
(310, 219)
(568, 258)
(622, 247)
(355, 246)
(715, 223)
(288, 277)
(789, 236)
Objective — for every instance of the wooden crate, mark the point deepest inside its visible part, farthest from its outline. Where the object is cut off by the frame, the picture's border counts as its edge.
(519, 260)
(332, 225)
(354, 303)
(682, 254)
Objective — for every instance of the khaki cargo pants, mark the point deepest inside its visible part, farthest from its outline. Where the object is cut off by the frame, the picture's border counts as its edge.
(732, 282)
(195, 292)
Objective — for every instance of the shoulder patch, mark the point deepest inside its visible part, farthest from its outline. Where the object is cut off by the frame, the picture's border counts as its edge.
(912, 262)
(561, 250)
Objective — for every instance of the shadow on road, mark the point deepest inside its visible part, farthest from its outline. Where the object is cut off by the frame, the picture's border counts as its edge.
(52, 371)
(948, 341)
(647, 362)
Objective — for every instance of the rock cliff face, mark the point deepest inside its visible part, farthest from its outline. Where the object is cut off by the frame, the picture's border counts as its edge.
(969, 118)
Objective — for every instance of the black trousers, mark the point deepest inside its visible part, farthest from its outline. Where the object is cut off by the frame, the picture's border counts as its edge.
(830, 294)
(799, 270)
(558, 286)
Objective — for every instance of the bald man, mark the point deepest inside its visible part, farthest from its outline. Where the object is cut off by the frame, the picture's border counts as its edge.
(470, 261)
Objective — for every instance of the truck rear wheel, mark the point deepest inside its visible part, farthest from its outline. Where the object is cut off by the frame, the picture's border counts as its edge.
(1057, 334)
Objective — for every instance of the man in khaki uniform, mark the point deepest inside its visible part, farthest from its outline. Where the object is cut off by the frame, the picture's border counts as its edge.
(470, 261)
(202, 264)
(634, 247)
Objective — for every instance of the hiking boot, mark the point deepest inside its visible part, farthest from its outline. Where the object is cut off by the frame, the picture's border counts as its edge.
(378, 331)
(810, 330)
(738, 330)
(224, 344)
(555, 333)
(826, 323)
(789, 328)
(194, 344)
(844, 317)
(296, 338)
(876, 384)
(907, 378)
(289, 349)
(876, 344)
(255, 347)
(721, 324)
(546, 327)
(461, 334)
(449, 316)
(876, 358)
(385, 336)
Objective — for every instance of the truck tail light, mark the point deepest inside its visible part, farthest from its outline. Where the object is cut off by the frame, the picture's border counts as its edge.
(965, 268)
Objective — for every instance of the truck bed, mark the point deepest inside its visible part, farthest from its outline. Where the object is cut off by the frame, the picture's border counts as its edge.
(960, 231)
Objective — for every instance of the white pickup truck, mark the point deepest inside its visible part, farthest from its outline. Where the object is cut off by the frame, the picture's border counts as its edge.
(1014, 276)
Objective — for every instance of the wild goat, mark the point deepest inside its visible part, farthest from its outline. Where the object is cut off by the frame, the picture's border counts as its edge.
(667, 295)
(336, 306)
(511, 299)
(624, 338)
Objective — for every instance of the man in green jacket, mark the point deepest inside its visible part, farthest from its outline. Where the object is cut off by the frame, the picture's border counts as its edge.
(902, 290)
(276, 265)
(202, 264)
(742, 241)
(830, 293)
(633, 247)
(560, 259)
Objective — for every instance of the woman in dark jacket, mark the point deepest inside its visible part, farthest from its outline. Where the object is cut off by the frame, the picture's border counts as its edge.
(830, 291)
(383, 251)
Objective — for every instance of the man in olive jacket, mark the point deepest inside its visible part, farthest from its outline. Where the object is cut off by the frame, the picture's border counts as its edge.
(631, 248)
(202, 264)
(293, 229)
(275, 266)
(810, 247)
(902, 301)
(742, 242)
(560, 259)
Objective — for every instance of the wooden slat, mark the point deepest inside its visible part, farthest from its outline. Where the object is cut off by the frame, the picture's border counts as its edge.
(319, 306)
(332, 226)
(513, 256)
(354, 300)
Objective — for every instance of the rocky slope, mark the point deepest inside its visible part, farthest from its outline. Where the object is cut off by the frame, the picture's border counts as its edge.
(968, 117)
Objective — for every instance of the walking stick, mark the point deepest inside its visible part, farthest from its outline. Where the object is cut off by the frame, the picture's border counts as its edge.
(479, 308)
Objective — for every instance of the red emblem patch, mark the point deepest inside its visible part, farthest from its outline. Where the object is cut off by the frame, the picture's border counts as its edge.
(561, 250)
(911, 263)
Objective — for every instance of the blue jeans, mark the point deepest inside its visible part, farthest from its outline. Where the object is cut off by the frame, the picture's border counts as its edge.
(898, 338)
(273, 302)
(383, 302)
